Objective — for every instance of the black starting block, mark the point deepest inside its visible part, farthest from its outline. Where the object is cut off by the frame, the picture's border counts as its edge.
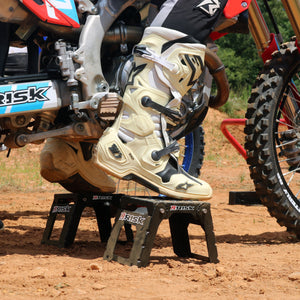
(146, 214)
(244, 198)
(72, 206)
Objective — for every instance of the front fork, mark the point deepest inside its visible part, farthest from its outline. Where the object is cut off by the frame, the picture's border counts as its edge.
(292, 8)
(267, 43)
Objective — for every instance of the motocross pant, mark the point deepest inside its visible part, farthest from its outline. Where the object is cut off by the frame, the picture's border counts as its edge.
(196, 18)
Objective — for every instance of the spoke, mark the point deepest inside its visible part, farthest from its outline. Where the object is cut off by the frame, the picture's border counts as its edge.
(285, 160)
(291, 178)
(128, 187)
(148, 192)
(294, 88)
(288, 143)
(135, 189)
(289, 98)
(285, 124)
(295, 170)
(118, 185)
(292, 97)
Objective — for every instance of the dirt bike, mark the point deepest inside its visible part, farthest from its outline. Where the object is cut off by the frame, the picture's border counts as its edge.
(79, 60)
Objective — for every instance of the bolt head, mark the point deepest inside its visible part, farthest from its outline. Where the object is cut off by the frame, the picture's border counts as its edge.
(94, 10)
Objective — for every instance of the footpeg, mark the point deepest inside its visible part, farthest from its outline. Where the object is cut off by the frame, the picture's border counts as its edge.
(109, 108)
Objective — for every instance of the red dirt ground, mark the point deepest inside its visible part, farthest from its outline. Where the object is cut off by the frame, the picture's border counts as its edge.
(258, 258)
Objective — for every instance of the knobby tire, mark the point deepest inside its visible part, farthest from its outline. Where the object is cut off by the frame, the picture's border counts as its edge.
(273, 134)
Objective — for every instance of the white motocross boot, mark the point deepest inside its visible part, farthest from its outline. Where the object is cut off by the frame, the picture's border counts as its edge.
(137, 146)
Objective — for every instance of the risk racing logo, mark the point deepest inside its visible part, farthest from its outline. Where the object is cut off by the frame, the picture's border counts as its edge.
(132, 218)
(28, 95)
(182, 208)
(61, 209)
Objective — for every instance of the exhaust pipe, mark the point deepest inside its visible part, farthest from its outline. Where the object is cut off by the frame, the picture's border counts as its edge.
(123, 34)
(217, 70)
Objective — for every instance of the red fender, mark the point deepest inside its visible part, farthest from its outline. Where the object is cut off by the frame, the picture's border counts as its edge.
(232, 9)
(235, 7)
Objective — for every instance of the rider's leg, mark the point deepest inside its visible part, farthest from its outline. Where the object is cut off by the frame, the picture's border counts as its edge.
(166, 63)
(137, 147)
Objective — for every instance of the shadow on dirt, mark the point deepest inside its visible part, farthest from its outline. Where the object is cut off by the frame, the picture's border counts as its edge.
(174, 261)
(267, 238)
(27, 213)
(29, 243)
(27, 240)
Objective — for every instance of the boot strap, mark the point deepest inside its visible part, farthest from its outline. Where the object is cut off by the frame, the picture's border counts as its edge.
(157, 155)
(146, 53)
(172, 114)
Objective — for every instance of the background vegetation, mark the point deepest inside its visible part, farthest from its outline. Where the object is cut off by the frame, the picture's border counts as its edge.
(239, 55)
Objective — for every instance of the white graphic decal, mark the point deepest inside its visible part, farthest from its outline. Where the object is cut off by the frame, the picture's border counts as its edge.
(67, 7)
(209, 6)
(50, 11)
(63, 4)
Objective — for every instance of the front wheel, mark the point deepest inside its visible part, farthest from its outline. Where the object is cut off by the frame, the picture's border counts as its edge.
(273, 136)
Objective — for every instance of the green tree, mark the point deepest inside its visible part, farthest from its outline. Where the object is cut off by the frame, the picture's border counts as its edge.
(239, 54)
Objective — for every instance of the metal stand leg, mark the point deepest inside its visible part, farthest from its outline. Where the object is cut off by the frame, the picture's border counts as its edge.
(72, 206)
